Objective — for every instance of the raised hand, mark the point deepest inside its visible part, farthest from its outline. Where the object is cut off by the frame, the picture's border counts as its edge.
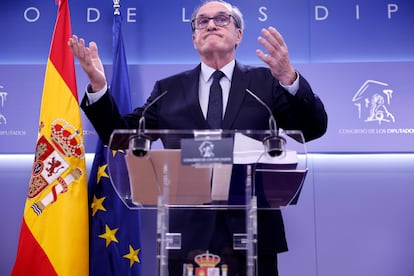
(277, 56)
(89, 60)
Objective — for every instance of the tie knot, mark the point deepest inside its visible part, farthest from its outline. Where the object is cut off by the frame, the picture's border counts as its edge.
(217, 75)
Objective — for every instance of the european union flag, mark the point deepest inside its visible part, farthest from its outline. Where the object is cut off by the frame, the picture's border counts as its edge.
(114, 236)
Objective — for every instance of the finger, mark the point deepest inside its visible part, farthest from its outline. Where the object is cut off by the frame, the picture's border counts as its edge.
(274, 40)
(272, 51)
(276, 36)
(72, 41)
(93, 49)
(264, 57)
(75, 45)
(81, 47)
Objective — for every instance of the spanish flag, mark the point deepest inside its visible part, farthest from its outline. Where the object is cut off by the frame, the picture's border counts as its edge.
(54, 232)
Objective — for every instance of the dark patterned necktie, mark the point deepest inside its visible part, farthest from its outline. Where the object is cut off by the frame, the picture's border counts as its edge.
(215, 102)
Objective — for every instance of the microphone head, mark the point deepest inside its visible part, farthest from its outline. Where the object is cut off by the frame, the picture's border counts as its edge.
(139, 145)
(274, 145)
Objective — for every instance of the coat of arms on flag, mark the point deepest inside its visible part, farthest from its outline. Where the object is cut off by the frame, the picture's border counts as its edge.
(50, 163)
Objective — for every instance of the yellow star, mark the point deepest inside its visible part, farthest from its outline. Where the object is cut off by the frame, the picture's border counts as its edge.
(97, 204)
(101, 172)
(109, 235)
(132, 256)
(114, 152)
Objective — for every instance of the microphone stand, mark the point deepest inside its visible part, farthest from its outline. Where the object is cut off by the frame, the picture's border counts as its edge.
(140, 144)
(274, 143)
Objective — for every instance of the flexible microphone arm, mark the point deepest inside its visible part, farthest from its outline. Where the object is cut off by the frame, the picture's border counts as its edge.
(141, 123)
(274, 144)
(272, 121)
(140, 144)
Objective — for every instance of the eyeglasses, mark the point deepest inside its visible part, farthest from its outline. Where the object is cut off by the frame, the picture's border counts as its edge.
(202, 22)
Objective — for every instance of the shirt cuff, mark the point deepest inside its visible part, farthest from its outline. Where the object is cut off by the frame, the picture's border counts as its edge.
(93, 97)
(294, 87)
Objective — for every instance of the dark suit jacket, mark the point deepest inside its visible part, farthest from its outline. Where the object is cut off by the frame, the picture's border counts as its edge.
(180, 109)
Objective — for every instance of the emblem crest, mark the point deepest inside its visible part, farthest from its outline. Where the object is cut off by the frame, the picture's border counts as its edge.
(51, 163)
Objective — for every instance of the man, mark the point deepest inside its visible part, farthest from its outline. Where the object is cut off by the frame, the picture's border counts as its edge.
(217, 31)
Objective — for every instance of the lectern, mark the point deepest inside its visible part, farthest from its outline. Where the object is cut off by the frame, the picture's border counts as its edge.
(207, 187)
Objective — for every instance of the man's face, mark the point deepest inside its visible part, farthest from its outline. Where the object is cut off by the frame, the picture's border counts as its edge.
(215, 39)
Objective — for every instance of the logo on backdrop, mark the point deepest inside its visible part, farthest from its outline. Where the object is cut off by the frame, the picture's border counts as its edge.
(4, 122)
(373, 102)
(3, 95)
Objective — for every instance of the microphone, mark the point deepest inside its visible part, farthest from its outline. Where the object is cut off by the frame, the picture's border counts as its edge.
(140, 144)
(274, 143)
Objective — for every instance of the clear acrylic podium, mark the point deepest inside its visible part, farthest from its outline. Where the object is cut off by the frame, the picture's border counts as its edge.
(199, 176)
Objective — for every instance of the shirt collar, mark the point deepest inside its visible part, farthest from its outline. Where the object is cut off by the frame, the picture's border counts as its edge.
(207, 71)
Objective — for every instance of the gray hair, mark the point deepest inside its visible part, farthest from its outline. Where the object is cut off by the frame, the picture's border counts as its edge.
(235, 13)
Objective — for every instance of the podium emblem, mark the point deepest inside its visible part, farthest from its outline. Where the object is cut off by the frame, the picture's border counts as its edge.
(207, 266)
(207, 151)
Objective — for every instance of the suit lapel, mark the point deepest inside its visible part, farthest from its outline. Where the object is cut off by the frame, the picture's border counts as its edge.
(236, 96)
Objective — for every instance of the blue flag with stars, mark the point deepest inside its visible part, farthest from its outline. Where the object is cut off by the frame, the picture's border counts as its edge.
(114, 237)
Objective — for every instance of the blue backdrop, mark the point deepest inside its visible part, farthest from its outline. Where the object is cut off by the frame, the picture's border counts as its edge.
(355, 212)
